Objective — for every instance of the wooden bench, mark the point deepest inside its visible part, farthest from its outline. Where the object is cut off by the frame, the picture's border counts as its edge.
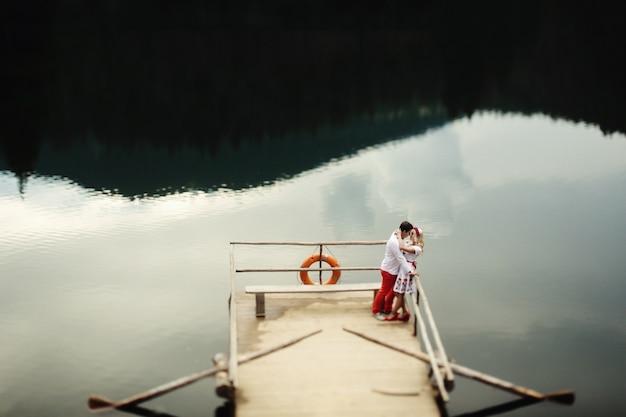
(261, 290)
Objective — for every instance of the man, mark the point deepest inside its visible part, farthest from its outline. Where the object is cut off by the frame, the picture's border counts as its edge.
(389, 268)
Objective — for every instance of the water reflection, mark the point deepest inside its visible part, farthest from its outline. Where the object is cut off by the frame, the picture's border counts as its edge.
(500, 408)
(115, 96)
(147, 171)
(523, 264)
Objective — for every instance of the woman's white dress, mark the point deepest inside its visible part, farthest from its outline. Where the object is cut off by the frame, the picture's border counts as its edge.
(406, 284)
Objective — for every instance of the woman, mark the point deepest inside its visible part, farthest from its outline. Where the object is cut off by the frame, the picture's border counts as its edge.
(405, 284)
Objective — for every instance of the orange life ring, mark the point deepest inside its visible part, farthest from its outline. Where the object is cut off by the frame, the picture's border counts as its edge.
(330, 260)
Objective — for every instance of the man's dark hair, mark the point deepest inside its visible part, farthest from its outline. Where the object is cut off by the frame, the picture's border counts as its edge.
(405, 226)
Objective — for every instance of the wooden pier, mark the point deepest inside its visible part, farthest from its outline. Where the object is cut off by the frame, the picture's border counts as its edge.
(333, 372)
(316, 350)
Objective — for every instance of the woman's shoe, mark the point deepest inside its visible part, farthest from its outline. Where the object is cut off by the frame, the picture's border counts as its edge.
(395, 317)
(406, 317)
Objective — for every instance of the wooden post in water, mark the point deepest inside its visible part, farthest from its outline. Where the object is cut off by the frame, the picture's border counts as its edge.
(561, 397)
(223, 386)
(233, 364)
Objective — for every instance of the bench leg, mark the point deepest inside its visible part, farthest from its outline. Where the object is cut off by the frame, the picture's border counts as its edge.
(260, 304)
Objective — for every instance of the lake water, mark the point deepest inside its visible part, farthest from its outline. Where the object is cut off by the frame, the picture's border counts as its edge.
(139, 138)
(524, 266)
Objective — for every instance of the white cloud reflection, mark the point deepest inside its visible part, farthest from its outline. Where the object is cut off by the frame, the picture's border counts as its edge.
(499, 150)
(425, 177)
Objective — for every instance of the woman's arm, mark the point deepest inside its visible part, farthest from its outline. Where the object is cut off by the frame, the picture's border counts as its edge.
(410, 249)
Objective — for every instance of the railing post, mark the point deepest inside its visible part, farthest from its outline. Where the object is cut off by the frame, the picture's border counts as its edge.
(320, 263)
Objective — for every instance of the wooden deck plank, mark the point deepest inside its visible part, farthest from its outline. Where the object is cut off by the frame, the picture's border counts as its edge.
(333, 372)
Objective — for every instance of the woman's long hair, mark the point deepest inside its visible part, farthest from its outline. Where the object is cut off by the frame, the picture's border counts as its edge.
(417, 240)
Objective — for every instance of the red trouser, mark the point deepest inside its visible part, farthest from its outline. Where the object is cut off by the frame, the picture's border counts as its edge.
(384, 297)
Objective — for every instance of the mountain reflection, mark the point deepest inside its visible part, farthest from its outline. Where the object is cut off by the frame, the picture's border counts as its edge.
(150, 97)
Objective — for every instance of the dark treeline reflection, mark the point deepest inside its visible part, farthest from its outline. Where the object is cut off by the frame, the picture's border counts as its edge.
(144, 82)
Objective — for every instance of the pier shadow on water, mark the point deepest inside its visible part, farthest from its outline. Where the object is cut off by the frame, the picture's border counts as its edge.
(499, 409)
(148, 98)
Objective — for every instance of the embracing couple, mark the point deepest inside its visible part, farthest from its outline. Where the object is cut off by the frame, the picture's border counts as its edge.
(397, 270)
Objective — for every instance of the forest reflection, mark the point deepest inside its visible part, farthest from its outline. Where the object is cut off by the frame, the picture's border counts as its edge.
(101, 92)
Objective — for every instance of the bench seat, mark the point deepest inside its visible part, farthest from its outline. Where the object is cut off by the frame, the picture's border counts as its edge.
(261, 290)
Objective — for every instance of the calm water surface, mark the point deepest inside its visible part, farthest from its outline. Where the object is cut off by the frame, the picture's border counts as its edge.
(524, 267)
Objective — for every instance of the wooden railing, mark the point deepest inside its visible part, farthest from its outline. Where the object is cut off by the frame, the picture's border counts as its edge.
(436, 357)
(232, 357)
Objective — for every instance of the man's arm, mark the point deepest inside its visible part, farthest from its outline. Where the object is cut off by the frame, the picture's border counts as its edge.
(397, 254)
